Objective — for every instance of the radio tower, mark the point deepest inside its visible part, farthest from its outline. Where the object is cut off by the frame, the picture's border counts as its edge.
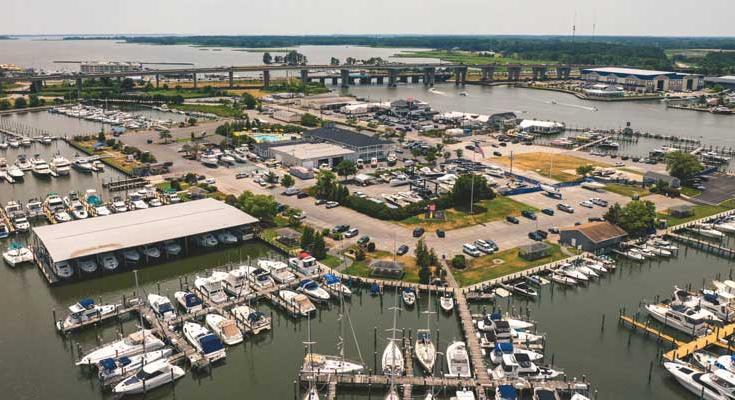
(574, 26)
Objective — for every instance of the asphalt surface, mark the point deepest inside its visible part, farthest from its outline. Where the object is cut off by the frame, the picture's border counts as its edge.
(718, 189)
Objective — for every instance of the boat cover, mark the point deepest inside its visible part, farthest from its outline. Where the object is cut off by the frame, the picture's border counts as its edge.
(192, 300)
(255, 316)
(331, 279)
(210, 343)
(408, 290)
(375, 288)
(507, 392)
(496, 316)
(108, 364)
(423, 336)
(504, 347)
(86, 303)
(308, 284)
(163, 308)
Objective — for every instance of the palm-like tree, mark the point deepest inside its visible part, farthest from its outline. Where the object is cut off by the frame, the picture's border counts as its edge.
(164, 136)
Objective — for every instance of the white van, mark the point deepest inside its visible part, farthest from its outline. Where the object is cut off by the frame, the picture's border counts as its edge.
(483, 246)
(374, 162)
(471, 250)
(360, 164)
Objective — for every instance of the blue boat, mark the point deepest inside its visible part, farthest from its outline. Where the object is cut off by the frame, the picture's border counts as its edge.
(375, 289)
(506, 392)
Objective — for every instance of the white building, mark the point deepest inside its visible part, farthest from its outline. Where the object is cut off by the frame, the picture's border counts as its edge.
(643, 80)
(287, 116)
(312, 155)
(603, 90)
(98, 67)
(541, 127)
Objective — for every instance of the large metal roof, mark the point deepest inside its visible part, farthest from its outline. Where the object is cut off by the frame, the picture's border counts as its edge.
(93, 236)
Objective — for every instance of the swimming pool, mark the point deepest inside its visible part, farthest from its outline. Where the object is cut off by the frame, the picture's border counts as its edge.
(273, 137)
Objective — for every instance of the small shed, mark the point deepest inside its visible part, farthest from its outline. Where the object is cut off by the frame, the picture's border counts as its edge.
(592, 236)
(289, 237)
(534, 251)
(386, 269)
(363, 179)
(651, 178)
(681, 211)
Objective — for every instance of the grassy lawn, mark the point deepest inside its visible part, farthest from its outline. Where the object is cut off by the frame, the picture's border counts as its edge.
(361, 268)
(691, 192)
(466, 57)
(108, 156)
(627, 190)
(560, 167)
(483, 268)
(484, 211)
(219, 109)
(700, 211)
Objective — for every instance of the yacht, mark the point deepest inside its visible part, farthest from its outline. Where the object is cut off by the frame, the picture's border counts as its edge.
(75, 206)
(325, 364)
(719, 305)
(706, 230)
(3, 145)
(118, 205)
(520, 366)
(710, 361)
(206, 240)
(13, 207)
(60, 165)
(108, 261)
(446, 302)
(574, 273)
(204, 341)
(392, 361)
(34, 208)
(17, 254)
(503, 348)
(189, 301)
(135, 343)
(40, 167)
(13, 143)
(87, 265)
(15, 172)
(23, 163)
(522, 288)
(304, 264)
(211, 288)
(313, 290)
(425, 350)
(226, 329)
(716, 385)
(234, 282)
(253, 320)
(4, 231)
(279, 271)
(151, 376)
(458, 361)
(20, 222)
(562, 279)
(85, 310)
(172, 248)
(26, 142)
(162, 307)
(114, 368)
(687, 320)
(334, 283)
(209, 160)
(82, 164)
(301, 304)
(225, 237)
(409, 296)
(137, 202)
(259, 277)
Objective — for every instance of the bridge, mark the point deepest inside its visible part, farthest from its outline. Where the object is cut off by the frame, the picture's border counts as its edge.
(344, 74)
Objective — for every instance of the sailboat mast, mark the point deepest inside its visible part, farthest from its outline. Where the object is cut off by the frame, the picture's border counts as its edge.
(140, 306)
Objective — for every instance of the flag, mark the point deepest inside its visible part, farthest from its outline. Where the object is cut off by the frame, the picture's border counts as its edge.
(478, 149)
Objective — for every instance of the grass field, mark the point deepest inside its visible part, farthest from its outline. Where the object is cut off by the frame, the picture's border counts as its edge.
(691, 192)
(466, 57)
(560, 167)
(508, 262)
(361, 268)
(627, 190)
(219, 109)
(700, 211)
(483, 212)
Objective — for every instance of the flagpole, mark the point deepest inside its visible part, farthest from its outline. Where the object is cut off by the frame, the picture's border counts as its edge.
(472, 185)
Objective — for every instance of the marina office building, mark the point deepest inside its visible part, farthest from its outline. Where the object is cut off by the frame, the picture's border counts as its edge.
(89, 239)
(312, 155)
(643, 80)
(366, 147)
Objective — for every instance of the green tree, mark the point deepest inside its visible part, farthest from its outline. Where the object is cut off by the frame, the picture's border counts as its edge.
(459, 261)
(334, 61)
(4, 104)
(345, 168)
(326, 183)
(127, 84)
(33, 101)
(191, 121)
(683, 165)
(584, 170)
(101, 136)
(459, 153)
(287, 181)
(267, 58)
(614, 214)
(164, 136)
(319, 247)
(307, 238)
(259, 206)
(20, 102)
(249, 101)
(423, 261)
(310, 120)
(638, 217)
(468, 189)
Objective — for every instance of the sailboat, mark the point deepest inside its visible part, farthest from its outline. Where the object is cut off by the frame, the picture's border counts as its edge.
(392, 362)
(424, 349)
(312, 393)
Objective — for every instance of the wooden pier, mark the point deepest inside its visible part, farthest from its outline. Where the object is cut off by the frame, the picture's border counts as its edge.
(125, 308)
(705, 245)
(117, 185)
(5, 219)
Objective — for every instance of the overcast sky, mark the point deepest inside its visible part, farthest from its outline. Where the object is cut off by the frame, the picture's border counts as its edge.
(232, 17)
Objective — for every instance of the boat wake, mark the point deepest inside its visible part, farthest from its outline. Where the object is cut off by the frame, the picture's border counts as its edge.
(439, 92)
(574, 106)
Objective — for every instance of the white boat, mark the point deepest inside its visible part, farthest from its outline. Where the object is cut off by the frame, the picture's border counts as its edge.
(716, 385)
(155, 202)
(234, 282)
(172, 248)
(634, 255)
(204, 341)
(596, 266)
(665, 244)
(298, 301)
(562, 279)
(189, 301)
(313, 290)
(589, 272)
(131, 255)
(151, 376)
(726, 227)
(119, 206)
(305, 264)
(34, 208)
(711, 362)
(392, 361)
(409, 296)
(253, 320)
(312, 393)
(278, 270)
(522, 289)
(162, 307)
(15, 172)
(520, 366)
(687, 320)
(258, 277)
(87, 265)
(113, 368)
(425, 350)
(40, 167)
(211, 289)
(209, 160)
(13, 143)
(17, 254)
(226, 329)
(225, 237)
(151, 252)
(542, 393)
(706, 230)
(85, 310)
(23, 163)
(503, 348)
(719, 305)
(458, 361)
(446, 302)
(334, 283)
(570, 271)
(82, 164)
(63, 269)
(392, 394)
(20, 222)
(135, 343)
(207, 240)
(325, 364)
(579, 396)
(108, 261)
(60, 165)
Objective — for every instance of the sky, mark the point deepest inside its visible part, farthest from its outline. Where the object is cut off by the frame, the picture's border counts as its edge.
(311, 17)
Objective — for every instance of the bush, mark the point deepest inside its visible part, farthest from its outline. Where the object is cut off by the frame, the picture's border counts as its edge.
(371, 247)
(359, 255)
(459, 262)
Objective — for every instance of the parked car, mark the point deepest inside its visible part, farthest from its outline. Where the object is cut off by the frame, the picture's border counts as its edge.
(554, 230)
(292, 191)
(471, 250)
(341, 228)
(565, 207)
(492, 244)
(595, 219)
(483, 246)
(586, 203)
(363, 240)
(301, 194)
(542, 233)
(528, 214)
(403, 249)
(598, 201)
(418, 232)
(512, 219)
(548, 211)
(535, 236)
(332, 204)
(440, 233)
(351, 232)
(319, 202)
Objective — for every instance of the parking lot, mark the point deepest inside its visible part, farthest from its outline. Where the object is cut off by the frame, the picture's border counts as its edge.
(718, 188)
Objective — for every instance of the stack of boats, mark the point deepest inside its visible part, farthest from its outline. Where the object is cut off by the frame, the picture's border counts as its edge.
(652, 248)
(112, 117)
(578, 272)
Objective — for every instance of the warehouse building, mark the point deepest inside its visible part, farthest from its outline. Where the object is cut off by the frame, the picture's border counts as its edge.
(364, 146)
(727, 82)
(592, 236)
(95, 67)
(102, 241)
(312, 155)
(643, 80)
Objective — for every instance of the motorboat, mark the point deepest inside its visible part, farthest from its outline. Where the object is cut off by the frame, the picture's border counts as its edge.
(155, 202)
(63, 269)
(408, 295)
(424, 350)
(23, 163)
(226, 329)
(537, 280)
(209, 160)
(506, 392)
(4, 145)
(665, 244)
(726, 227)
(135, 343)
(101, 210)
(253, 320)
(60, 165)
(207, 343)
(151, 376)
(82, 164)
(118, 205)
(690, 321)
(719, 305)
(40, 167)
(522, 288)
(226, 237)
(87, 265)
(34, 208)
(20, 222)
(574, 273)
(189, 301)
(325, 364)
(280, 271)
(585, 269)
(207, 240)
(85, 310)
(4, 231)
(172, 248)
(313, 290)
(334, 283)
(579, 396)
(211, 288)
(521, 366)
(562, 279)
(45, 139)
(542, 393)
(114, 368)
(501, 349)
(458, 361)
(710, 362)
(108, 261)
(301, 304)
(75, 206)
(716, 385)
(234, 281)
(635, 255)
(13, 207)
(137, 202)
(131, 256)
(162, 307)
(151, 252)
(706, 230)
(26, 142)
(17, 254)
(304, 264)
(446, 301)
(259, 277)
(15, 172)
(98, 166)
(13, 143)
(598, 267)
(312, 393)
(392, 361)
